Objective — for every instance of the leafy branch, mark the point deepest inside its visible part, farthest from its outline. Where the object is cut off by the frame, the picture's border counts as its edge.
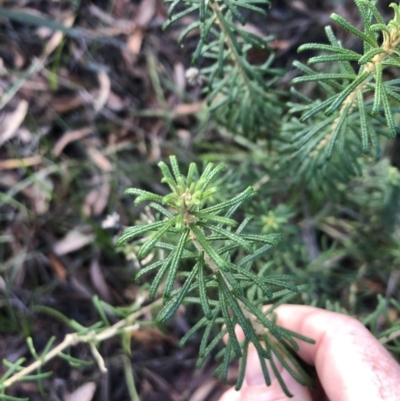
(359, 104)
(213, 257)
(239, 92)
(94, 335)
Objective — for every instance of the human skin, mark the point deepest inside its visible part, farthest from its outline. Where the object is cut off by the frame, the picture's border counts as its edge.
(350, 363)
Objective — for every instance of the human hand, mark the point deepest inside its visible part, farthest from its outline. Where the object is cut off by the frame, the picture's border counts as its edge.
(350, 362)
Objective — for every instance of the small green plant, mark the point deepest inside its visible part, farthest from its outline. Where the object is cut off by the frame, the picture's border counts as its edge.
(212, 255)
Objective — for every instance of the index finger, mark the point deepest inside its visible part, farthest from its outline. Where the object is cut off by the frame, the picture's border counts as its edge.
(350, 362)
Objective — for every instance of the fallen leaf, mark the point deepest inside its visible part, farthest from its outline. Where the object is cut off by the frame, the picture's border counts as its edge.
(73, 241)
(281, 44)
(99, 159)
(180, 78)
(187, 109)
(134, 41)
(12, 121)
(115, 103)
(59, 269)
(57, 37)
(98, 281)
(40, 194)
(146, 12)
(105, 87)
(96, 200)
(70, 136)
(64, 104)
(83, 393)
(10, 164)
(203, 392)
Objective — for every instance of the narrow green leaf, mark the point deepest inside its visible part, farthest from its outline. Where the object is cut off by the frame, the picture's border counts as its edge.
(235, 11)
(367, 57)
(202, 322)
(210, 177)
(329, 48)
(143, 195)
(322, 77)
(264, 370)
(234, 283)
(261, 317)
(279, 378)
(239, 199)
(168, 178)
(177, 256)
(256, 41)
(388, 114)
(339, 126)
(332, 58)
(159, 276)
(172, 6)
(346, 92)
(192, 174)
(180, 15)
(146, 248)
(214, 342)
(161, 209)
(208, 249)
(216, 219)
(135, 231)
(74, 362)
(243, 322)
(198, 52)
(229, 235)
(271, 239)
(35, 20)
(355, 31)
(242, 365)
(298, 335)
(229, 30)
(12, 367)
(207, 332)
(254, 279)
(372, 8)
(317, 129)
(36, 377)
(221, 57)
(204, 175)
(175, 168)
(315, 109)
(100, 310)
(172, 306)
(294, 368)
(280, 283)
(250, 7)
(202, 288)
(191, 27)
(226, 361)
(379, 89)
(230, 325)
(202, 11)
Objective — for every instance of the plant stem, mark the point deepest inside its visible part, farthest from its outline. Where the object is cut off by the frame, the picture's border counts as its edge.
(232, 50)
(72, 339)
(258, 327)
